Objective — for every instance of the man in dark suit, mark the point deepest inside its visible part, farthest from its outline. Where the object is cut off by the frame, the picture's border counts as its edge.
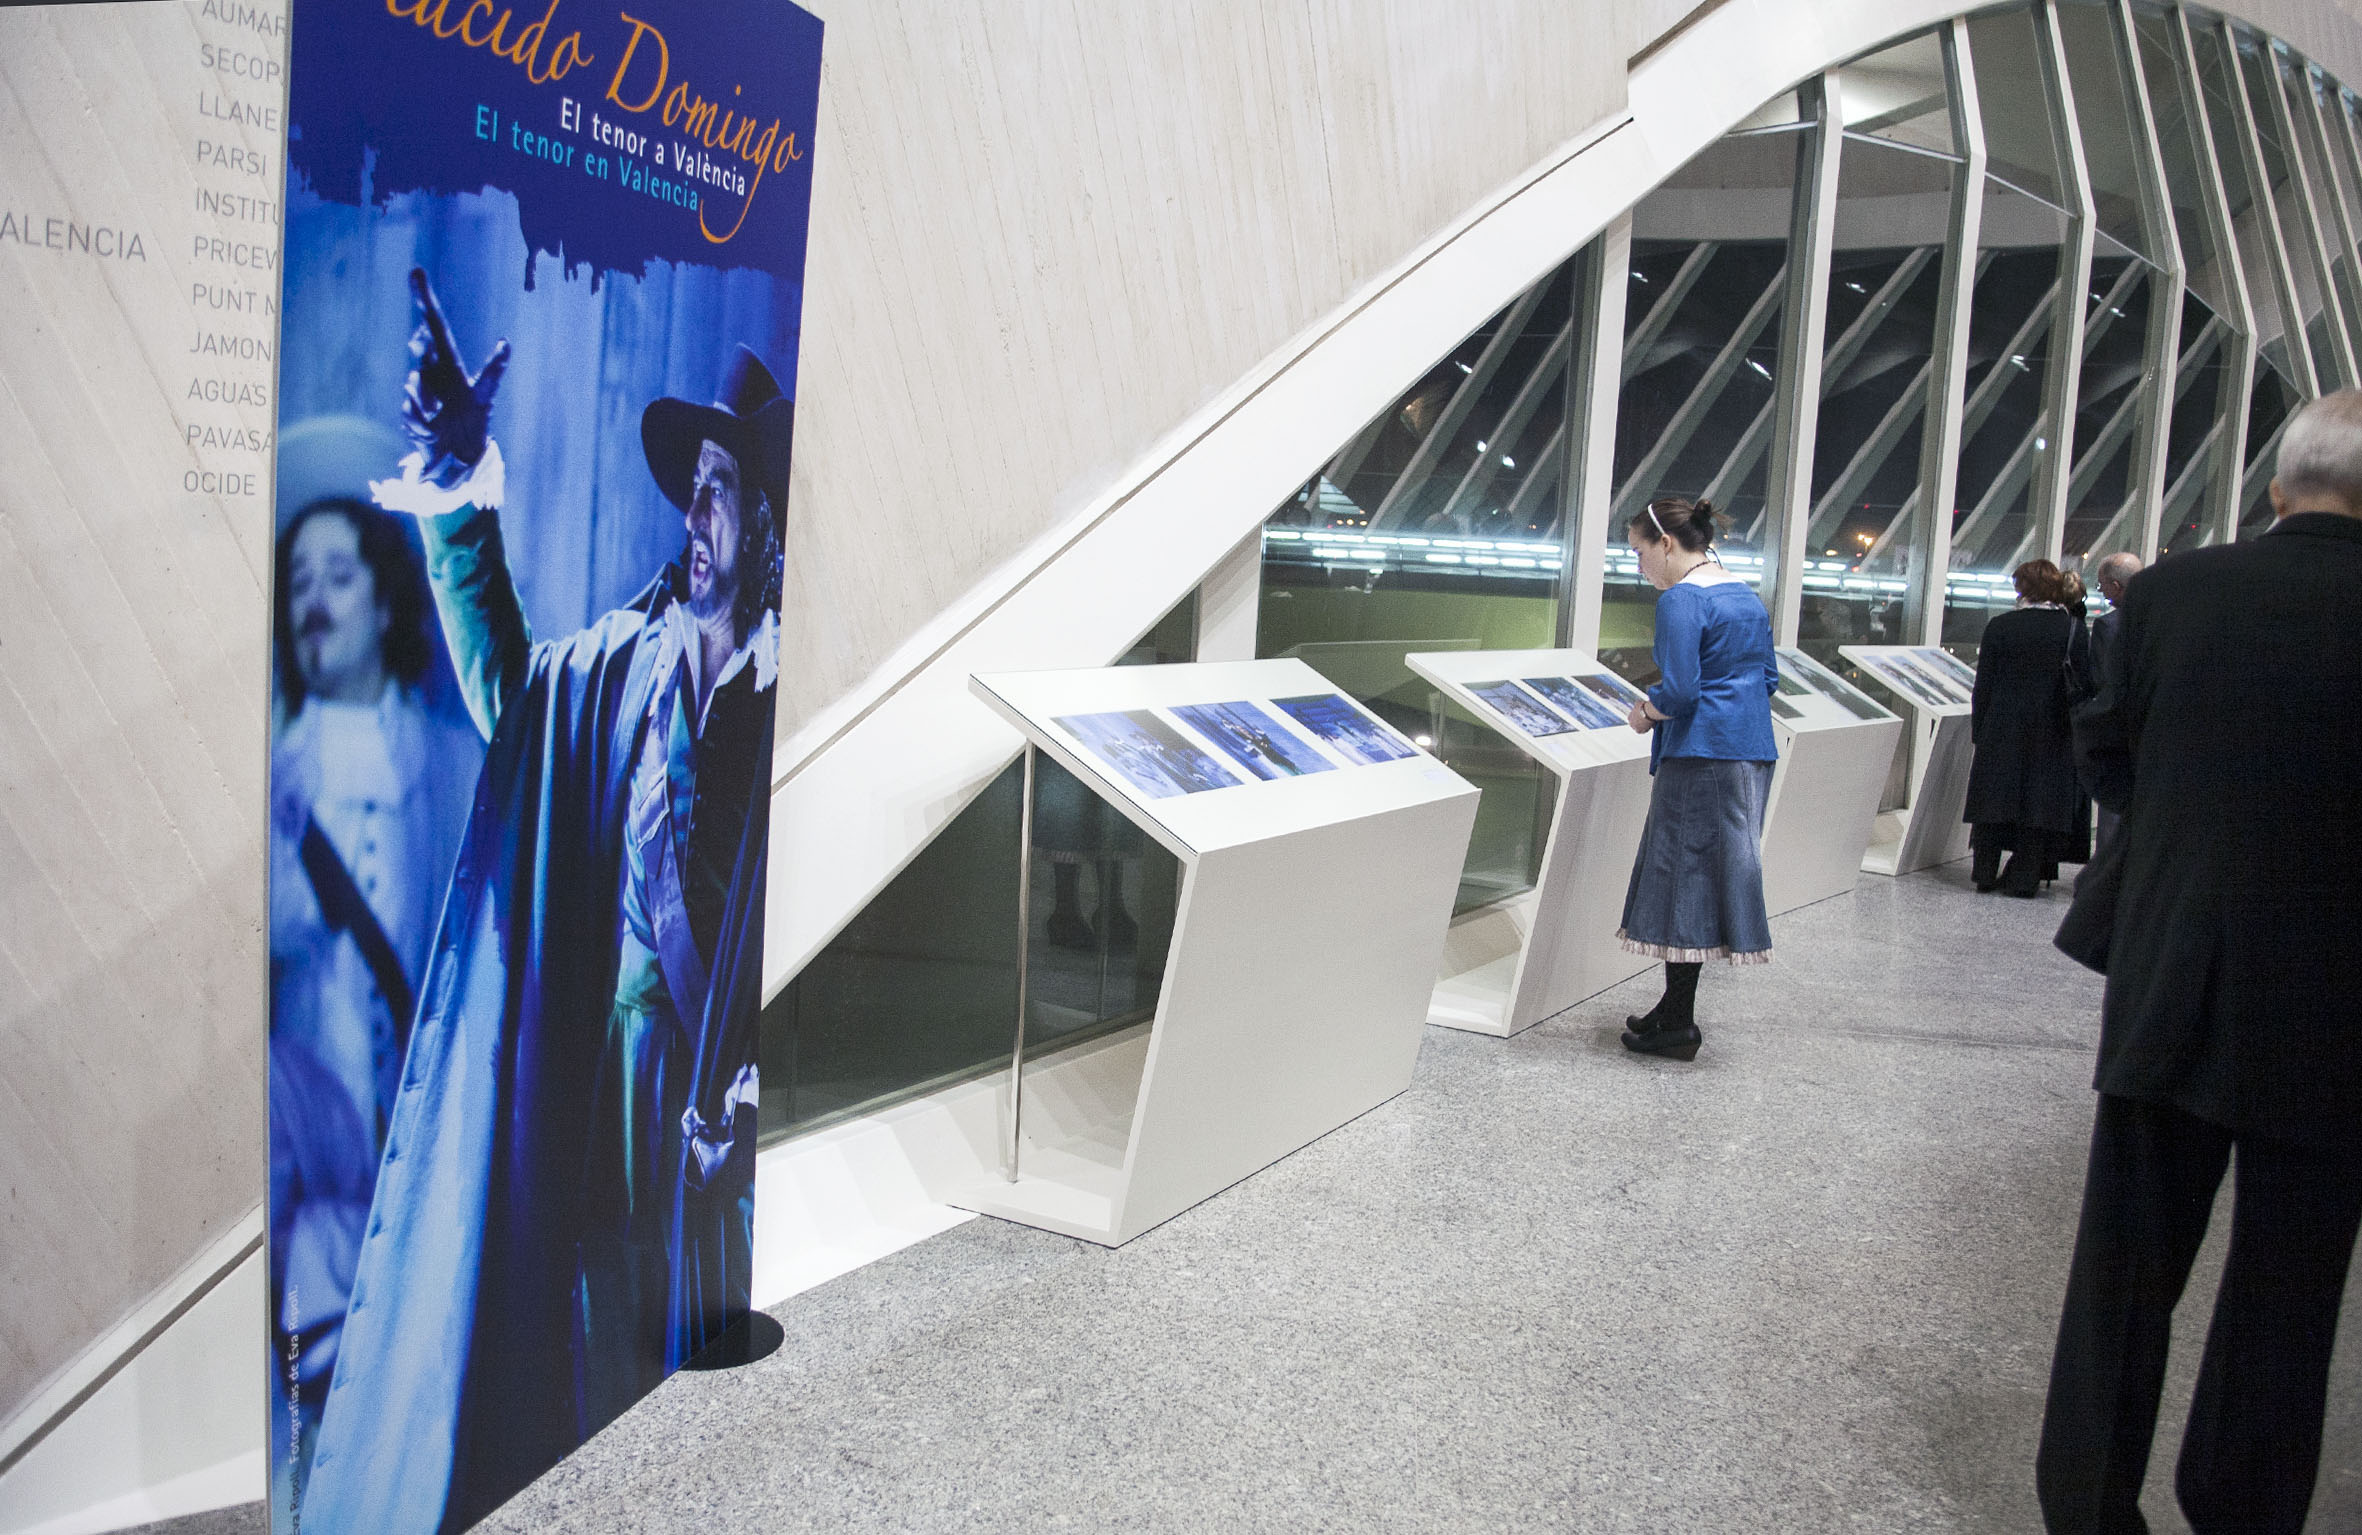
(2227, 742)
(2112, 575)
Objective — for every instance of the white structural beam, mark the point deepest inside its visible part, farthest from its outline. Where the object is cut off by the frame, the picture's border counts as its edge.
(1594, 380)
(1812, 235)
(1840, 355)
(2325, 145)
(2265, 211)
(1665, 306)
(2219, 517)
(1928, 519)
(1493, 449)
(1643, 484)
(2161, 348)
(2054, 454)
(2336, 323)
(1427, 458)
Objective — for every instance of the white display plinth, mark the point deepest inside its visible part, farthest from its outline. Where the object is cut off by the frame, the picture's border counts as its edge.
(1836, 745)
(1313, 908)
(1935, 689)
(1510, 965)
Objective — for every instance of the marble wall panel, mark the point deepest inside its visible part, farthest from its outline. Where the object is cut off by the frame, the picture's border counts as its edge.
(1042, 235)
(133, 566)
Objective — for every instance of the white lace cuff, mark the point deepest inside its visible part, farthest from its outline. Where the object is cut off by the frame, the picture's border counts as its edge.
(419, 496)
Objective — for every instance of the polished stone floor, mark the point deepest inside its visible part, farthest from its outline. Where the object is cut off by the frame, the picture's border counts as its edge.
(1805, 1284)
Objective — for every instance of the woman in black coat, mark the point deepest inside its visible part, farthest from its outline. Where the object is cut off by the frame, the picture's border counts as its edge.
(2023, 798)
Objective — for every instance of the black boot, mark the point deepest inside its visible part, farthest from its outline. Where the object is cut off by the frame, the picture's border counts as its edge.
(1671, 1027)
(2022, 878)
(1984, 868)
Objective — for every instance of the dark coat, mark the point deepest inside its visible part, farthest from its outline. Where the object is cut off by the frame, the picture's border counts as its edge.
(2024, 772)
(2103, 646)
(2230, 745)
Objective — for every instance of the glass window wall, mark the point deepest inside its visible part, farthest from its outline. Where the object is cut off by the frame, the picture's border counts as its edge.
(2214, 338)
(2132, 329)
(1701, 364)
(1896, 175)
(2025, 235)
(2131, 399)
(1438, 527)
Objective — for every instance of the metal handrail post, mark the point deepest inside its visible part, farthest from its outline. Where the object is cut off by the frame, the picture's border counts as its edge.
(1024, 933)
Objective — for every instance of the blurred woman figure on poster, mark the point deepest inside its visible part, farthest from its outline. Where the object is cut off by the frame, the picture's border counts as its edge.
(1697, 884)
(370, 790)
(2023, 799)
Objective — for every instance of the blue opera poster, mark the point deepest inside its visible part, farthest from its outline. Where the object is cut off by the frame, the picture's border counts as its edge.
(544, 272)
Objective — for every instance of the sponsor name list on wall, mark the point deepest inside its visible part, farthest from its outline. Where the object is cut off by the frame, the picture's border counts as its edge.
(145, 220)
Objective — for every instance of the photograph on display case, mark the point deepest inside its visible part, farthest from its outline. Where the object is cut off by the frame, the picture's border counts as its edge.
(1613, 688)
(1899, 673)
(1784, 709)
(1521, 708)
(1334, 718)
(1147, 753)
(1934, 677)
(1253, 739)
(1828, 684)
(1576, 703)
(536, 422)
(1945, 664)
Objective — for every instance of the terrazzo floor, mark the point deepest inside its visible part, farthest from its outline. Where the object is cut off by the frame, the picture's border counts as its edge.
(1805, 1284)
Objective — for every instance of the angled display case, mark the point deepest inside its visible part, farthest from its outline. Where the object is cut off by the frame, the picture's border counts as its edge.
(1512, 964)
(1937, 689)
(1320, 851)
(1836, 745)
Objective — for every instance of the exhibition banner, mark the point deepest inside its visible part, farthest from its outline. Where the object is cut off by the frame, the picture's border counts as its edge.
(542, 282)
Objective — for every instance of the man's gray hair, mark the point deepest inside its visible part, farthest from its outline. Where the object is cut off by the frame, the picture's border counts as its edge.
(2119, 567)
(2321, 451)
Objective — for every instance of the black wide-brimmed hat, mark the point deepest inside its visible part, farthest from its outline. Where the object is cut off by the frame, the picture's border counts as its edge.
(752, 420)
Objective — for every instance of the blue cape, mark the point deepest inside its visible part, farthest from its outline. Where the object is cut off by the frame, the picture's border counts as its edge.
(457, 1381)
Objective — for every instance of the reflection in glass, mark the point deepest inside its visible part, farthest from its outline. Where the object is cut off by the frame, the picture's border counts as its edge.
(1438, 528)
(2196, 442)
(2274, 399)
(2022, 136)
(919, 989)
(2108, 398)
(1885, 287)
(2001, 430)
(1702, 354)
(2257, 74)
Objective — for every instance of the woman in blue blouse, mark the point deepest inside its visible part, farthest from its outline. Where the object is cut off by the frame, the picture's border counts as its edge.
(1697, 886)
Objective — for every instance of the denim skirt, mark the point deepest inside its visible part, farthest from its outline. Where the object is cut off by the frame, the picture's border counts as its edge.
(1697, 884)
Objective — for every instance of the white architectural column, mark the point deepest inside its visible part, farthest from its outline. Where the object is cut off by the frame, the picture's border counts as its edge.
(1594, 379)
(2266, 213)
(1930, 533)
(1804, 315)
(2218, 520)
(2054, 458)
(2162, 347)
